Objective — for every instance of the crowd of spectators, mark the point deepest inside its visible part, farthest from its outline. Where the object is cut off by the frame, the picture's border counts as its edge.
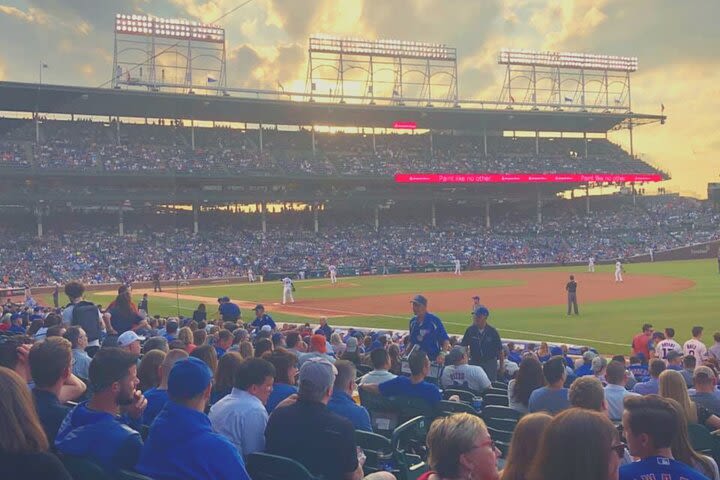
(174, 397)
(111, 147)
(99, 255)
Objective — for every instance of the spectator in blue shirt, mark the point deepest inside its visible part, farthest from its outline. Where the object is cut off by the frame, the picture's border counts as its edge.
(286, 370)
(552, 398)
(415, 386)
(262, 319)
(650, 423)
(229, 312)
(324, 328)
(657, 366)
(639, 368)
(341, 401)
(158, 397)
(426, 330)
(16, 324)
(586, 367)
(93, 429)
(171, 330)
(224, 341)
(181, 443)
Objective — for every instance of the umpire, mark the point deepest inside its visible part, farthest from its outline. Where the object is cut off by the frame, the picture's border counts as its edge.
(484, 342)
(571, 288)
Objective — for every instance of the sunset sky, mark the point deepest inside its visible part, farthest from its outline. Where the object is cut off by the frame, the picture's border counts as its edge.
(677, 43)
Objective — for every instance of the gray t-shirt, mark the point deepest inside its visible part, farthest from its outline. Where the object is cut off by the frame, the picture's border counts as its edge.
(545, 399)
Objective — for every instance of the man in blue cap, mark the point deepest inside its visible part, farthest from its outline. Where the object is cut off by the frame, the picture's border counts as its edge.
(181, 443)
(262, 319)
(426, 330)
(484, 342)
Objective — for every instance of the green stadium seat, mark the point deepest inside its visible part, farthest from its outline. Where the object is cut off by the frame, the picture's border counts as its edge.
(465, 395)
(500, 385)
(384, 417)
(496, 391)
(447, 407)
(500, 435)
(263, 466)
(378, 450)
(703, 441)
(409, 450)
(498, 411)
(81, 468)
(498, 400)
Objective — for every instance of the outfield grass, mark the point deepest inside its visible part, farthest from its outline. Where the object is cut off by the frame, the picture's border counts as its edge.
(607, 326)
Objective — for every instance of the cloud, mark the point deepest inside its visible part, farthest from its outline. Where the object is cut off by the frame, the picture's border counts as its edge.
(32, 15)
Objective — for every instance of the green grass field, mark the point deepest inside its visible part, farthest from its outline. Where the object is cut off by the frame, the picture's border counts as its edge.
(607, 326)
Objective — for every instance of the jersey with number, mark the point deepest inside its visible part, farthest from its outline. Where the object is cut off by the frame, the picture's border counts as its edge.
(666, 346)
(287, 283)
(695, 348)
(332, 268)
(659, 468)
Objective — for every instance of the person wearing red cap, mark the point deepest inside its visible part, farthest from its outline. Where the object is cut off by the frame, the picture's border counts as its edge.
(318, 349)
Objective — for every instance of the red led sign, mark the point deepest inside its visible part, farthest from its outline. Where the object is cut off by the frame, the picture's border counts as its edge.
(524, 177)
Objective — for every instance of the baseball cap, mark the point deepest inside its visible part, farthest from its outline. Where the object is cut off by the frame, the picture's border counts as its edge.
(455, 355)
(673, 354)
(481, 310)
(352, 345)
(554, 351)
(225, 299)
(318, 343)
(419, 299)
(128, 337)
(589, 356)
(188, 378)
(475, 297)
(266, 328)
(259, 307)
(319, 372)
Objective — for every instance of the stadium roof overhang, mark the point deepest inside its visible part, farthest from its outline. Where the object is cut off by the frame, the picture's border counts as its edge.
(57, 99)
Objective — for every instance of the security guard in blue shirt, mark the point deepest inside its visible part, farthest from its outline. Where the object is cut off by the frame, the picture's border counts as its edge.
(427, 330)
(484, 342)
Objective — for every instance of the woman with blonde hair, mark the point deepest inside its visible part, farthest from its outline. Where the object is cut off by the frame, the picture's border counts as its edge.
(148, 371)
(683, 452)
(459, 446)
(672, 385)
(246, 349)
(578, 444)
(525, 442)
(23, 444)
(185, 335)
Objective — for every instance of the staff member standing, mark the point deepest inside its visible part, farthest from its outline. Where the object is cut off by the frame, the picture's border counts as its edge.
(571, 289)
(484, 342)
(426, 330)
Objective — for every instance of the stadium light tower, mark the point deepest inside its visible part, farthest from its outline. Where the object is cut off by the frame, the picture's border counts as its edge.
(394, 71)
(563, 80)
(167, 53)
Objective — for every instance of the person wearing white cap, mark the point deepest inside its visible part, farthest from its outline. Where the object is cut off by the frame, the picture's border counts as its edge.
(130, 341)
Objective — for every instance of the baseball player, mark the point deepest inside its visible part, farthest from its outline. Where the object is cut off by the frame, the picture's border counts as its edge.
(695, 347)
(591, 265)
(619, 270)
(667, 345)
(333, 273)
(251, 275)
(457, 267)
(288, 289)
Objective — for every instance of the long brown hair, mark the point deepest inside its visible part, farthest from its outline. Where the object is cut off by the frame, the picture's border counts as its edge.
(576, 444)
(228, 367)
(682, 450)
(529, 377)
(149, 370)
(20, 429)
(525, 442)
(207, 354)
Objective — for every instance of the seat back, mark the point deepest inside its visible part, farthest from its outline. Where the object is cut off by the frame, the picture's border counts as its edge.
(496, 391)
(500, 385)
(499, 411)
(409, 450)
(464, 394)
(378, 451)
(81, 468)
(411, 407)
(447, 407)
(492, 399)
(703, 441)
(384, 415)
(263, 466)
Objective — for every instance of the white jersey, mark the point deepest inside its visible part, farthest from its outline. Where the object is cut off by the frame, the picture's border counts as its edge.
(695, 348)
(333, 269)
(250, 272)
(666, 346)
(457, 263)
(472, 376)
(618, 266)
(287, 283)
(591, 261)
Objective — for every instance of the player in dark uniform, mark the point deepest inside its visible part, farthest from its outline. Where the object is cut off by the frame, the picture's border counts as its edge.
(571, 289)
(156, 282)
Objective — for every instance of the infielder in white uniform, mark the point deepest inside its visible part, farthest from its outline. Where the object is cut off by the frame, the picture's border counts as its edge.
(287, 290)
(591, 265)
(333, 273)
(695, 347)
(251, 275)
(618, 271)
(457, 267)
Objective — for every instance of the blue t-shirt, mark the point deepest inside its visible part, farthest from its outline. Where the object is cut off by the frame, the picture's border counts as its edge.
(640, 372)
(266, 319)
(584, 370)
(156, 400)
(659, 468)
(402, 386)
(342, 404)
(229, 311)
(428, 335)
(280, 392)
(545, 399)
